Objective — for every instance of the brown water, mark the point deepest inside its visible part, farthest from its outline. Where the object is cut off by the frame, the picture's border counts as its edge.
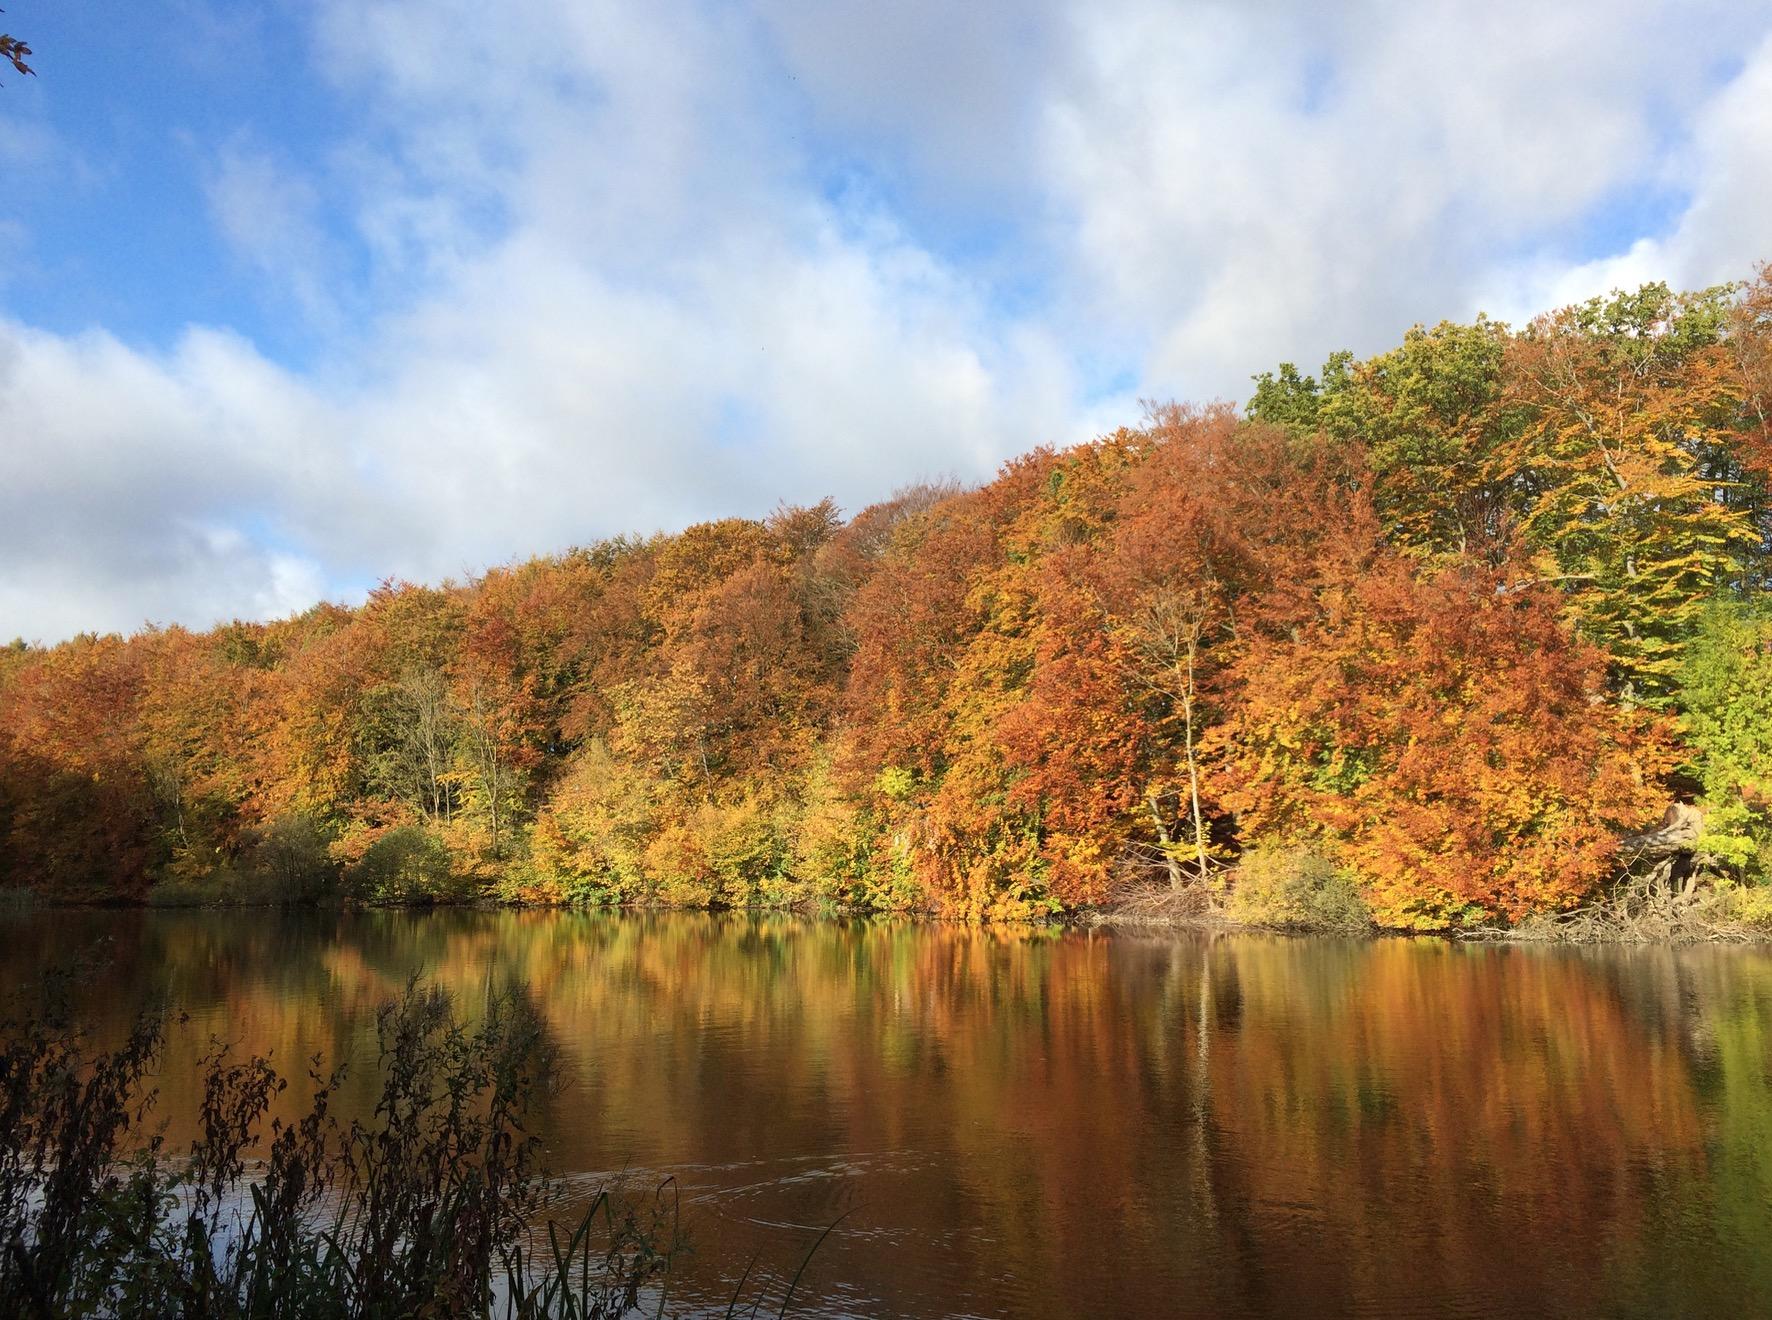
(1069, 1123)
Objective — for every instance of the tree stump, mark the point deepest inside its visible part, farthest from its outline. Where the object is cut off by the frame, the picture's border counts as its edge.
(1681, 824)
(1669, 847)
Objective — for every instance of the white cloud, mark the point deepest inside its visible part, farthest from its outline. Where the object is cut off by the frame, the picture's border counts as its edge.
(1258, 184)
(128, 481)
(1726, 172)
(269, 212)
(630, 266)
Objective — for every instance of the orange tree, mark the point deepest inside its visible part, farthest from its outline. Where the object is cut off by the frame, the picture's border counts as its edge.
(1439, 733)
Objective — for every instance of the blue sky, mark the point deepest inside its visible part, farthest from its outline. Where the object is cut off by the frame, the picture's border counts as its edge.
(297, 295)
(132, 107)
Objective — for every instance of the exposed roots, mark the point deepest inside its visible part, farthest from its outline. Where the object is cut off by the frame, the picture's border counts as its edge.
(1161, 905)
(1664, 904)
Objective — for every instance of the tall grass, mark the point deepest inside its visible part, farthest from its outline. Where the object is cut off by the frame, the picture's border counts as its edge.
(429, 1209)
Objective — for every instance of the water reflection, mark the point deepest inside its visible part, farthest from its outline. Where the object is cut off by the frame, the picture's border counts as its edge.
(1044, 1123)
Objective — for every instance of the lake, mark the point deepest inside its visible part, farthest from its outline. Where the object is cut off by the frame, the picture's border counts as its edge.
(1066, 1122)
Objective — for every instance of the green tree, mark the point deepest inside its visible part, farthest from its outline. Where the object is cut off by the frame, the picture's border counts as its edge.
(1431, 417)
(1726, 690)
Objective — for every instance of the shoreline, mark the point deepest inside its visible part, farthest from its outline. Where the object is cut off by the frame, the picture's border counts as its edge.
(1590, 929)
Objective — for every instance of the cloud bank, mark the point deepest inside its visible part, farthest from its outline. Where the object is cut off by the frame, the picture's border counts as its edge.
(573, 270)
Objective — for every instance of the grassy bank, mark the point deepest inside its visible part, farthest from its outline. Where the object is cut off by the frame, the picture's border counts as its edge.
(1289, 889)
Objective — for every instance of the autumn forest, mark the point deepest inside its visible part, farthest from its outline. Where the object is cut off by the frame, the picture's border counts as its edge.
(1422, 637)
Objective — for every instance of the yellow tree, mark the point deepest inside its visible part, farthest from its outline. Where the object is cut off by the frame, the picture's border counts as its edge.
(1632, 500)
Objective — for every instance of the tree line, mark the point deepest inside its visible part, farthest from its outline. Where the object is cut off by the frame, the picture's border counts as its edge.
(1450, 622)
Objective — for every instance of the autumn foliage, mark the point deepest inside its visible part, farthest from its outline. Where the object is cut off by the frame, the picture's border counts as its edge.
(1428, 618)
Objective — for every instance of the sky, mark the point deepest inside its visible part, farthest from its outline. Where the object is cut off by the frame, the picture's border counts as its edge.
(298, 296)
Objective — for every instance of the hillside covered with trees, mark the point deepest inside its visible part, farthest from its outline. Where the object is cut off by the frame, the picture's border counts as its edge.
(1446, 624)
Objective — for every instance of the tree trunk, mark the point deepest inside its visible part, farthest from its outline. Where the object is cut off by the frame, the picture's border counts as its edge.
(1680, 827)
(1193, 765)
(1170, 862)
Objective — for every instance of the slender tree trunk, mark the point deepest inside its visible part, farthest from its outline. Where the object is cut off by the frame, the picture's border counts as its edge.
(497, 847)
(430, 739)
(1170, 862)
(1193, 763)
(493, 787)
(167, 781)
(483, 746)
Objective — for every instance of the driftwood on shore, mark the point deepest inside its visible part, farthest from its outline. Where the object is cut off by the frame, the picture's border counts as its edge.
(1666, 858)
(1681, 824)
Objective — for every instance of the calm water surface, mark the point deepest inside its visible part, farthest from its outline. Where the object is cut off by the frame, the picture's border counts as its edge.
(1070, 1123)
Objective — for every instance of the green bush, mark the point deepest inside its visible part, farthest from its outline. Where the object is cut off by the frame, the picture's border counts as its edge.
(288, 863)
(291, 860)
(1295, 889)
(408, 864)
(1749, 906)
(745, 851)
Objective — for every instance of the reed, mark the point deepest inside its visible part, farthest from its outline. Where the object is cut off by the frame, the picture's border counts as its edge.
(435, 1206)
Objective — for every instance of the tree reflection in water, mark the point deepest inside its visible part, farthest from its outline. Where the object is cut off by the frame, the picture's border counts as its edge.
(1037, 1122)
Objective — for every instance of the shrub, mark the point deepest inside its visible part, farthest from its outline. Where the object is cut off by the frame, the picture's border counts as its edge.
(1749, 906)
(1296, 889)
(291, 860)
(405, 865)
(678, 873)
(720, 855)
(832, 857)
(745, 849)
